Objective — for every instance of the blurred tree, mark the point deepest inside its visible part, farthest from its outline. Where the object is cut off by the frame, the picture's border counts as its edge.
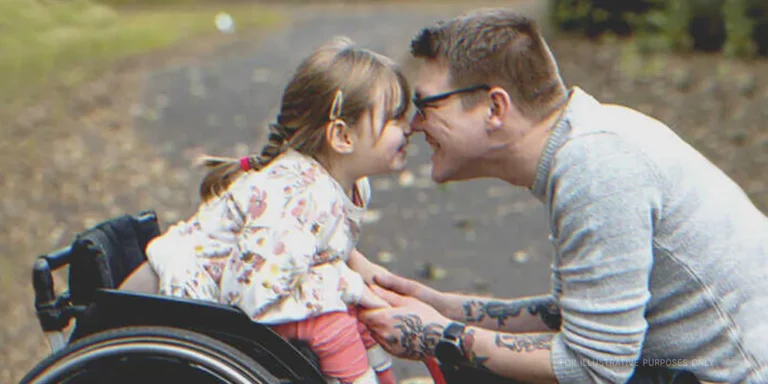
(735, 27)
(746, 24)
(595, 17)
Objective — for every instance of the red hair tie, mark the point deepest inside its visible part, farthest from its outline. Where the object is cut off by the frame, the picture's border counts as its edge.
(245, 163)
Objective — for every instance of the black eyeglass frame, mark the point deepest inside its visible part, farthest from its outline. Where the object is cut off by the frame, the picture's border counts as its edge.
(422, 102)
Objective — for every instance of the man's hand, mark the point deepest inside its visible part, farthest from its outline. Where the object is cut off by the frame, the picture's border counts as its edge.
(412, 288)
(409, 329)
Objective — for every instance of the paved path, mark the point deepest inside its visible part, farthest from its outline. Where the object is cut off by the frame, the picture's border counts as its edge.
(483, 236)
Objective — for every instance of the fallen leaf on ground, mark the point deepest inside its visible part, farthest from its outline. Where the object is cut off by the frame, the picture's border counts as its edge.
(521, 257)
(406, 178)
(371, 216)
(385, 257)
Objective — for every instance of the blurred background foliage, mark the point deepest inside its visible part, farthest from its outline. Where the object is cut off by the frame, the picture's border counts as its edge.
(736, 28)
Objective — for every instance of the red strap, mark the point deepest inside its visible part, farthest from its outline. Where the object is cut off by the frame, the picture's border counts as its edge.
(434, 371)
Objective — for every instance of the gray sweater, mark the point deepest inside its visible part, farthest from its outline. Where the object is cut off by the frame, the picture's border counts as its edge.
(660, 257)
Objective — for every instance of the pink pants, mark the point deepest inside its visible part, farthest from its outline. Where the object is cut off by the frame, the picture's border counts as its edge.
(340, 342)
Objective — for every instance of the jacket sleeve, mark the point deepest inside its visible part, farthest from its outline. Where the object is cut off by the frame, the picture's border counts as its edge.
(352, 284)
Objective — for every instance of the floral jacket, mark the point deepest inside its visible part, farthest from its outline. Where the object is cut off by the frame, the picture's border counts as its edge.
(274, 245)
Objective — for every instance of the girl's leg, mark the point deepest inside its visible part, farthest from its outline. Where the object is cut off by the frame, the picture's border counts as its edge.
(143, 280)
(335, 339)
(378, 358)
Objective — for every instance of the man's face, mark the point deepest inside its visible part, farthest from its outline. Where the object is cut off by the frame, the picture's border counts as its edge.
(457, 136)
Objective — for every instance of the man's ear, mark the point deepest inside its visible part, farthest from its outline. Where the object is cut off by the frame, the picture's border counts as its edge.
(500, 105)
(339, 137)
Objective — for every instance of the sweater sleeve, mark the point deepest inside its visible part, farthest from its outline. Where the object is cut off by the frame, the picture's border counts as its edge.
(604, 197)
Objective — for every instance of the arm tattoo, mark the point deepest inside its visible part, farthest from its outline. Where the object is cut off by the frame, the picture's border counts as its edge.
(468, 344)
(549, 313)
(418, 339)
(547, 310)
(520, 343)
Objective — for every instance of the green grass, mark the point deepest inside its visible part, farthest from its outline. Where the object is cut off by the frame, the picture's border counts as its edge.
(50, 47)
(53, 42)
(143, 3)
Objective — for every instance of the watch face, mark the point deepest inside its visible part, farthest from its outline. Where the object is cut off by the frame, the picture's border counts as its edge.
(448, 353)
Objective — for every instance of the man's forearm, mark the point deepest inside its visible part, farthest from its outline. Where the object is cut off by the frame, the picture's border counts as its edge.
(532, 314)
(525, 357)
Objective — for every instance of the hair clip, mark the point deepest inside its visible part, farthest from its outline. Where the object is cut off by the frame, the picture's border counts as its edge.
(336, 107)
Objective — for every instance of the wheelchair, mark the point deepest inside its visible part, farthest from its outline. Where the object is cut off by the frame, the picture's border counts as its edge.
(121, 336)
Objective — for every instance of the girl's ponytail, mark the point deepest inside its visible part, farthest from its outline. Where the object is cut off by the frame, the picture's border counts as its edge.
(225, 170)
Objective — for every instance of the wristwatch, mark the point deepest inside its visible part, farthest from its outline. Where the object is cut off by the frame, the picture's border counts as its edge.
(449, 350)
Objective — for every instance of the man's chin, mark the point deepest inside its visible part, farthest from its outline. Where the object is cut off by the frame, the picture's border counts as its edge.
(440, 176)
(452, 171)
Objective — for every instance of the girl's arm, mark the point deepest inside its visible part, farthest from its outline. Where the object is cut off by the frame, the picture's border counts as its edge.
(357, 261)
(356, 290)
(368, 270)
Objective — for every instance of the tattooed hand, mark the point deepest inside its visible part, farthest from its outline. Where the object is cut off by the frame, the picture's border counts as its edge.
(409, 329)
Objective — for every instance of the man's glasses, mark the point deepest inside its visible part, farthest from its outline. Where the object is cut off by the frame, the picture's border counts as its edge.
(422, 102)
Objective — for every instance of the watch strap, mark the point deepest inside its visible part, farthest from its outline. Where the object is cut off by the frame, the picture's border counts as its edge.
(449, 350)
(454, 331)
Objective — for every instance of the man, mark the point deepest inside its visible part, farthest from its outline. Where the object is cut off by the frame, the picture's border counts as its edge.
(659, 255)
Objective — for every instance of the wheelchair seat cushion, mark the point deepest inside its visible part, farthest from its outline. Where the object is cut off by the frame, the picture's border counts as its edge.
(103, 256)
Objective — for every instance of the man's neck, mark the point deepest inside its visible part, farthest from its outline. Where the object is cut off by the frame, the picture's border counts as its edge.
(518, 161)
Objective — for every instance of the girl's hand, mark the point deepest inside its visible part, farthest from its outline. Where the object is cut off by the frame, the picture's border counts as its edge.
(368, 270)
(370, 300)
(412, 288)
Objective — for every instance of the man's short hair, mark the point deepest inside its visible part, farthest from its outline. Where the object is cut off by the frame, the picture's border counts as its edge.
(497, 47)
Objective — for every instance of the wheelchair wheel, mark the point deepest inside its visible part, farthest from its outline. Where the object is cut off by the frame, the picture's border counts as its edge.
(148, 355)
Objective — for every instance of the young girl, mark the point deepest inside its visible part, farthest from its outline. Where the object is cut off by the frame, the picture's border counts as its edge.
(275, 231)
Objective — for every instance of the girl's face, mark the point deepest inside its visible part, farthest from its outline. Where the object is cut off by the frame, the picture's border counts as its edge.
(383, 141)
(375, 144)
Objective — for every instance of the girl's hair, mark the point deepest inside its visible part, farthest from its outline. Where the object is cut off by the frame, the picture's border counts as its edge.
(337, 81)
